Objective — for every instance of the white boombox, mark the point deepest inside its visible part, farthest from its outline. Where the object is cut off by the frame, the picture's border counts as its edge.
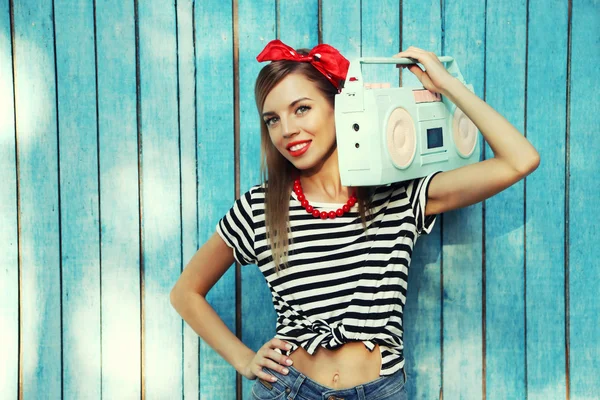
(387, 135)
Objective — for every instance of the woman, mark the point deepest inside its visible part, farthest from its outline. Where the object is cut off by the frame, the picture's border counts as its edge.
(335, 258)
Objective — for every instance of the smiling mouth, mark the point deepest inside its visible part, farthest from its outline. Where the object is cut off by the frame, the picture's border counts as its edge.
(299, 149)
(298, 146)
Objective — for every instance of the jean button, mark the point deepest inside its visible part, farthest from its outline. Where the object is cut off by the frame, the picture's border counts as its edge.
(287, 390)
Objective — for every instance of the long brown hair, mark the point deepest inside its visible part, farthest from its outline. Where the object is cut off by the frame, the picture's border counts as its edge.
(281, 171)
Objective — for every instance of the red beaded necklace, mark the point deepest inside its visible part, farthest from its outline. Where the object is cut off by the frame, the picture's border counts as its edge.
(323, 215)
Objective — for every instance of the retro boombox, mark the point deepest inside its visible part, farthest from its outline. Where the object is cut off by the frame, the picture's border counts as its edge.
(387, 135)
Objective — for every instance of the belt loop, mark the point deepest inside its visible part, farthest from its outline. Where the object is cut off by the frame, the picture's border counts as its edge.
(361, 392)
(296, 387)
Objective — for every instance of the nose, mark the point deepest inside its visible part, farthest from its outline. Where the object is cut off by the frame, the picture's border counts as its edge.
(288, 127)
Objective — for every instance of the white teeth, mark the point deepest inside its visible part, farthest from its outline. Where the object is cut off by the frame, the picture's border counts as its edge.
(298, 146)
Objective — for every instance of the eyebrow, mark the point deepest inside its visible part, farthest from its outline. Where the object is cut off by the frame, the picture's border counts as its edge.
(292, 104)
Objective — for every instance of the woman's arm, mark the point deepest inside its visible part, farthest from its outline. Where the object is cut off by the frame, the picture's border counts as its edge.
(205, 268)
(514, 157)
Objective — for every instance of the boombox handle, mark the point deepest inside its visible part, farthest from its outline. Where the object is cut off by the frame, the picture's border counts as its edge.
(354, 84)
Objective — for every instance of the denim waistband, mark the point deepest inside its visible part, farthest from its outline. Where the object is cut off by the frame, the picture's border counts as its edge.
(298, 384)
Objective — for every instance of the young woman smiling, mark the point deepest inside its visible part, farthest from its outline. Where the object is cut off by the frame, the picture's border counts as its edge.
(335, 258)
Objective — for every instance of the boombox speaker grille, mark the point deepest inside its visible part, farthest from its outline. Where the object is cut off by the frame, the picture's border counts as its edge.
(401, 140)
(464, 133)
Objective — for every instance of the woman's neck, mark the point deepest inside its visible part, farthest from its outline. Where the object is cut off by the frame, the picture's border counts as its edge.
(323, 183)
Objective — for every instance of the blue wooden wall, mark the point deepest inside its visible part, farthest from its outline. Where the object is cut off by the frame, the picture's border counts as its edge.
(128, 128)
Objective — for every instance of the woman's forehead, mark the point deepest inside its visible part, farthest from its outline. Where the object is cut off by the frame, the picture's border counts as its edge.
(292, 87)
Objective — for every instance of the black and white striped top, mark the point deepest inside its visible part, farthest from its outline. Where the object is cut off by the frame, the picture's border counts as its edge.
(340, 284)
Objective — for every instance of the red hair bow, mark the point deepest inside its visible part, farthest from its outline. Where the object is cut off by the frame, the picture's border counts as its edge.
(323, 57)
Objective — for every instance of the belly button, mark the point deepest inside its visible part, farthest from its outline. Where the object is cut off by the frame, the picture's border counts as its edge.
(336, 378)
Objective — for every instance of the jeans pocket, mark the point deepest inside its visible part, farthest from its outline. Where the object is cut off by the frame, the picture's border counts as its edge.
(392, 389)
(263, 390)
(391, 393)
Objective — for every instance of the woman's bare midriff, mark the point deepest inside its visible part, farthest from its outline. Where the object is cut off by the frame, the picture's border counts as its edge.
(349, 365)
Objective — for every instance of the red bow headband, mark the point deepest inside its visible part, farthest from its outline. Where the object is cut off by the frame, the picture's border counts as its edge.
(323, 57)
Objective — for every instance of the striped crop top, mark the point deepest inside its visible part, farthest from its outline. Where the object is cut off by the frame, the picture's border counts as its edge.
(341, 284)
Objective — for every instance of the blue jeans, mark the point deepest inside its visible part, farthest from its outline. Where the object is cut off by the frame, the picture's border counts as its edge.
(296, 386)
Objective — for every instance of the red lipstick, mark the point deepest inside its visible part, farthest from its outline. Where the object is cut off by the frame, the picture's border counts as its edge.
(300, 151)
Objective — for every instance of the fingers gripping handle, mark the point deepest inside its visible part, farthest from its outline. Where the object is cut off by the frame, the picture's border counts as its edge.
(353, 85)
(396, 60)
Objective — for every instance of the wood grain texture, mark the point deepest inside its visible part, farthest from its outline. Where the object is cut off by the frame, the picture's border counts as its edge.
(216, 169)
(107, 107)
(189, 187)
(421, 27)
(462, 307)
(257, 25)
(79, 211)
(584, 202)
(347, 40)
(380, 36)
(119, 199)
(36, 121)
(505, 64)
(9, 252)
(545, 202)
(161, 199)
(299, 23)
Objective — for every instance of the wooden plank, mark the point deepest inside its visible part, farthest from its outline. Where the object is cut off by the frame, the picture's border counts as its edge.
(9, 253)
(298, 24)
(584, 202)
(504, 241)
(161, 199)
(37, 154)
(421, 27)
(256, 27)
(380, 22)
(462, 307)
(545, 201)
(189, 189)
(214, 113)
(79, 194)
(79, 219)
(347, 40)
(119, 200)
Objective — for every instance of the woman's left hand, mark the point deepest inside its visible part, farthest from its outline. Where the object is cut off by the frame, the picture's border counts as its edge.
(436, 77)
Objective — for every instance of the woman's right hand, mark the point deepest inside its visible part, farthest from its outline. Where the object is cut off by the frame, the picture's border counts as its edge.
(266, 356)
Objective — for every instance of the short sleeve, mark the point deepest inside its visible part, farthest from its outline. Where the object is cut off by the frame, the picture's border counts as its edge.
(237, 230)
(417, 191)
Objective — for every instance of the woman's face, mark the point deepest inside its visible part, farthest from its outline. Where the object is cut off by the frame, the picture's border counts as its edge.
(300, 121)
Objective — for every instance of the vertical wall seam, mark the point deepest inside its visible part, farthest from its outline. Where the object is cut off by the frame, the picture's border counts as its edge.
(180, 188)
(276, 19)
(320, 21)
(483, 227)
(62, 363)
(196, 164)
(567, 199)
(442, 49)
(525, 201)
(399, 43)
(236, 149)
(99, 203)
(140, 191)
(18, 205)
